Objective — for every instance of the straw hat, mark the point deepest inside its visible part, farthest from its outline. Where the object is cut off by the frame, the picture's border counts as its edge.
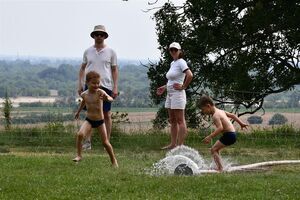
(99, 28)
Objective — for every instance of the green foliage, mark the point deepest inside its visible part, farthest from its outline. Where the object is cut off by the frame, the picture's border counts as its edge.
(117, 119)
(160, 121)
(278, 119)
(255, 119)
(24, 78)
(133, 87)
(238, 51)
(7, 108)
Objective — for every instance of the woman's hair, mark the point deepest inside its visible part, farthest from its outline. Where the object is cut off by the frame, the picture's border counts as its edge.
(91, 75)
(204, 100)
(181, 54)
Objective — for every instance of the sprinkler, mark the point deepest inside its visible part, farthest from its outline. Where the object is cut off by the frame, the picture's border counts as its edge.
(183, 169)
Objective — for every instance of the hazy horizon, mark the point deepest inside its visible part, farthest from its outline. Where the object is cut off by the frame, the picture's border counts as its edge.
(61, 29)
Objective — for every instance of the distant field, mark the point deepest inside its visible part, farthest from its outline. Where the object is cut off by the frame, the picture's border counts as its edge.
(68, 109)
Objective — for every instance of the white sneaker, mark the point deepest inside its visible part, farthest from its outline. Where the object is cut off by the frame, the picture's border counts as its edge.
(87, 145)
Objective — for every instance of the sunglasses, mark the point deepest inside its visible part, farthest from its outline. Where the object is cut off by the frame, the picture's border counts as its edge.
(173, 50)
(97, 34)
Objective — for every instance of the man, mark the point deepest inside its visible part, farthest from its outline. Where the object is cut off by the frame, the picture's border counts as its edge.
(103, 60)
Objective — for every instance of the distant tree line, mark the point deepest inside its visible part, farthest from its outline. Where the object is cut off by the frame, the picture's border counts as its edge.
(23, 78)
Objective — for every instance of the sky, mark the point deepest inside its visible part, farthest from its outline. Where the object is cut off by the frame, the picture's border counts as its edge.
(53, 28)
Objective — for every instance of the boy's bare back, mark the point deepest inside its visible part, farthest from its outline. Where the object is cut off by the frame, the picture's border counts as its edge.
(220, 118)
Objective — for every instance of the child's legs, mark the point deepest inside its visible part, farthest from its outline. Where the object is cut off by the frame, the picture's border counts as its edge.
(85, 129)
(106, 143)
(182, 130)
(216, 155)
(108, 123)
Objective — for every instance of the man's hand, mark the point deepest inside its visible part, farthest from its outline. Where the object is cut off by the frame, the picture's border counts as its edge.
(77, 115)
(114, 93)
(207, 139)
(80, 90)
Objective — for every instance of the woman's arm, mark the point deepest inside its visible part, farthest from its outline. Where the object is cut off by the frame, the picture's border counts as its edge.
(187, 81)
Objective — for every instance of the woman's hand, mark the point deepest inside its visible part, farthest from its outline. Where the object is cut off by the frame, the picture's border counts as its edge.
(178, 86)
(161, 90)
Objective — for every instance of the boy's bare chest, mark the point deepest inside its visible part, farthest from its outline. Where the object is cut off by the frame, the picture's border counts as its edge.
(92, 99)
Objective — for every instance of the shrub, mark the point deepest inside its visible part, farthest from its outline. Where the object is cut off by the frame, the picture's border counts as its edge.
(278, 119)
(255, 119)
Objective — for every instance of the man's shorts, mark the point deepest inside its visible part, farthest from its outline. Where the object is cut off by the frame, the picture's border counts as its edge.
(106, 104)
(176, 99)
(228, 138)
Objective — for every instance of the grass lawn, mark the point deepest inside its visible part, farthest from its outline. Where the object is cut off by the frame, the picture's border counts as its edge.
(43, 169)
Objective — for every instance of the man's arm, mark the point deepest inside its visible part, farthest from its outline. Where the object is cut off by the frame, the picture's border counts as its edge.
(115, 76)
(81, 77)
(235, 118)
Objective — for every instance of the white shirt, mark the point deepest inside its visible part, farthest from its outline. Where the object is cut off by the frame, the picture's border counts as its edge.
(176, 72)
(101, 62)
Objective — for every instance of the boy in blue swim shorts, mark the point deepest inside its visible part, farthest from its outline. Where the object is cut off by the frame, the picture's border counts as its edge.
(223, 125)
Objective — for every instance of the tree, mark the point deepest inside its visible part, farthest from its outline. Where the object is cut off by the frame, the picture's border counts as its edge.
(240, 51)
(7, 107)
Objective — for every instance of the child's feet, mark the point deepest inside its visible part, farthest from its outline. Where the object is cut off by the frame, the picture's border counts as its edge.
(115, 164)
(77, 159)
(168, 147)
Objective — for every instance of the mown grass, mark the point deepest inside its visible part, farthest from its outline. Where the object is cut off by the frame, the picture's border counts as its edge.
(36, 164)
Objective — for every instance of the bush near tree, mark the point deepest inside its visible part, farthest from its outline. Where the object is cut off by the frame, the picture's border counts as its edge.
(255, 119)
(278, 119)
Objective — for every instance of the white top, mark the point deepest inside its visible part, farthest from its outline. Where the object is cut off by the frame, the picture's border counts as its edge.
(176, 72)
(101, 62)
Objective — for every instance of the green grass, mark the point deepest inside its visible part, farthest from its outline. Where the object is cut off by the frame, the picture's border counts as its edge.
(39, 166)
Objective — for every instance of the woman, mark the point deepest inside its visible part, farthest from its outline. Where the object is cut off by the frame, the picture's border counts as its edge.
(179, 77)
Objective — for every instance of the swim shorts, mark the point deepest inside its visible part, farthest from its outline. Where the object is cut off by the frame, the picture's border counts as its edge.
(228, 138)
(95, 123)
